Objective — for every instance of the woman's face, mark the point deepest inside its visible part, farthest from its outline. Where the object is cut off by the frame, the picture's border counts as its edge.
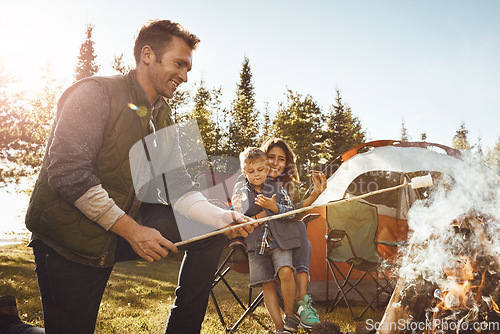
(277, 161)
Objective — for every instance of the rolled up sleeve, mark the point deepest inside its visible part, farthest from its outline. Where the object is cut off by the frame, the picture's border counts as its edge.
(99, 207)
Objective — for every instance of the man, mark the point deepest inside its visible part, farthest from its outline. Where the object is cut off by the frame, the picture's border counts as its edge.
(83, 211)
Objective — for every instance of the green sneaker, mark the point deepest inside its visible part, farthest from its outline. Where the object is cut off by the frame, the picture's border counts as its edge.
(308, 314)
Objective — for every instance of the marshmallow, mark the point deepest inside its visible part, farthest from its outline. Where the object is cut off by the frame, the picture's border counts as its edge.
(421, 181)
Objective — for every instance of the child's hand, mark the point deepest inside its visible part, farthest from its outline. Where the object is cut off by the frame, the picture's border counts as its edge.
(267, 203)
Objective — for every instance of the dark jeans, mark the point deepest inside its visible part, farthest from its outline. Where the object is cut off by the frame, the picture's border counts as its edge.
(71, 292)
(302, 254)
(14, 325)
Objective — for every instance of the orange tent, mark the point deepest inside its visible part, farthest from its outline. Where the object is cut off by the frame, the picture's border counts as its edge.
(369, 167)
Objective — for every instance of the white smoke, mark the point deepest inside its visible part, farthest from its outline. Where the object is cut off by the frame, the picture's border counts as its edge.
(433, 243)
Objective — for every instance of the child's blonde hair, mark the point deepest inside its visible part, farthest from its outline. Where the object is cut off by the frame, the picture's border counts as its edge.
(251, 154)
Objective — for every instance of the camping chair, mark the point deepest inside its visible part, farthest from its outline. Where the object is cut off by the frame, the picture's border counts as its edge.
(351, 240)
(218, 187)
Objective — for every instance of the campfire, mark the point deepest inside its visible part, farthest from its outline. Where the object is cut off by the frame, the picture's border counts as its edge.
(450, 274)
(466, 298)
(471, 286)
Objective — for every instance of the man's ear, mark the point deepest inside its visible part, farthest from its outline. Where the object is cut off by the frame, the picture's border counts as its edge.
(147, 55)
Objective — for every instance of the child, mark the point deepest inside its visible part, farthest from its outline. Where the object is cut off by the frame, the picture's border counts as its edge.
(270, 245)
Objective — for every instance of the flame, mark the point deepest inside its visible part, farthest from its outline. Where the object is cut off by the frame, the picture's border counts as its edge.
(461, 295)
(494, 306)
(457, 290)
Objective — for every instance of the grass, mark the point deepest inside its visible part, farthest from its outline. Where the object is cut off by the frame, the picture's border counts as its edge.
(139, 295)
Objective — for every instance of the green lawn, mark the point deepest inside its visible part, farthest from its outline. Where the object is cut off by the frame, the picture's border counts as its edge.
(139, 295)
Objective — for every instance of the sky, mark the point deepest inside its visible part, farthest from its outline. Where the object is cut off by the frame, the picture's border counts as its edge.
(430, 64)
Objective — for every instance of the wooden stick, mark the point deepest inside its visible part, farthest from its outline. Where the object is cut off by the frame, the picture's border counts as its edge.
(262, 220)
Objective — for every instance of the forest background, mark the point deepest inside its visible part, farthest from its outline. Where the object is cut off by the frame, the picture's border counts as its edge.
(317, 133)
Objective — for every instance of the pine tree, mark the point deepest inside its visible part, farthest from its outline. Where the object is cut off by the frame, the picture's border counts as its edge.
(87, 66)
(479, 148)
(203, 115)
(266, 125)
(210, 118)
(344, 130)
(404, 131)
(196, 152)
(120, 66)
(299, 123)
(493, 157)
(223, 125)
(460, 141)
(218, 115)
(243, 124)
(177, 102)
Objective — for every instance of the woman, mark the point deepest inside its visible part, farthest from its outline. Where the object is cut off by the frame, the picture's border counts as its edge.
(282, 163)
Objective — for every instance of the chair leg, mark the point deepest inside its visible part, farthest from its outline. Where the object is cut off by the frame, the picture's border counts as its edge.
(223, 264)
(233, 293)
(354, 286)
(341, 295)
(251, 308)
(345, 286)
(327, 281)
(222, 271)
(217, 308)
(219, 275)
(379, 289)
(340, 286)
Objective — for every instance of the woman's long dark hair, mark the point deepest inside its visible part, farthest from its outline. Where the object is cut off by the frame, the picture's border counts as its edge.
(290, 175)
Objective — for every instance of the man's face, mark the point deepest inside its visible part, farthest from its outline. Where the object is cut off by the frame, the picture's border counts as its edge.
(256, 171)
(166, 73)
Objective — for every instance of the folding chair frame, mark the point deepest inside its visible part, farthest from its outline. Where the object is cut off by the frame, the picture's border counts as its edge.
(342, 281)
(220, 274)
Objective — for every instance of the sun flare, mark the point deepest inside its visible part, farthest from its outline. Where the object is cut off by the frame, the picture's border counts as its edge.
(32, 46)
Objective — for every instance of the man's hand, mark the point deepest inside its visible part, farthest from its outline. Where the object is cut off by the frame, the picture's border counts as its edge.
(267, 203)
(145, 241)
(236, 218)
(236, 203)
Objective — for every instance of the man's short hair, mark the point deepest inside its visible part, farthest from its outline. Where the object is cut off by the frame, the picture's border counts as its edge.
(158, 34)
(251, 154)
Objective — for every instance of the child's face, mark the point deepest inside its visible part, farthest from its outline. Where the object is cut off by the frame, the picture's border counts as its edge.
(256, 171)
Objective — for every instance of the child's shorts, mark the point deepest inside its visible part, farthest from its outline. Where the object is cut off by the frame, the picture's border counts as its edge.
(264, 267)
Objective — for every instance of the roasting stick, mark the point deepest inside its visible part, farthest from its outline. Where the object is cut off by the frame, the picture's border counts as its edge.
(416, 182)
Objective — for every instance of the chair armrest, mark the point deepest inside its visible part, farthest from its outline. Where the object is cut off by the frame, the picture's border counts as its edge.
(310, 217)
(392, 243)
